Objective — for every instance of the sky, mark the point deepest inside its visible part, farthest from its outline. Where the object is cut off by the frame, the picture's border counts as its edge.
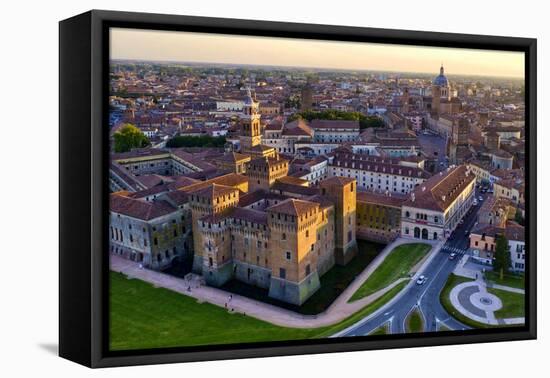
(134, 44)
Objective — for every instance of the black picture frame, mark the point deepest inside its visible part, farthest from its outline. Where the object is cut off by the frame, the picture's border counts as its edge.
(83, 196)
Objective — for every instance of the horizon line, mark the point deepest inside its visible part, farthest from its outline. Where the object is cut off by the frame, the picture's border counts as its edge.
(309, 67)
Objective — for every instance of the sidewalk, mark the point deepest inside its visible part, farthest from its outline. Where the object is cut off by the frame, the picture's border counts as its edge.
(339, 310)
(506, 288)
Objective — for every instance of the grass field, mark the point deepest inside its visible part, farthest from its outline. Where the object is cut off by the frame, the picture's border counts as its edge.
(333, 283)
(396, 265)
(512, 280)
(513, 304)
(382, 330)
(142, 316)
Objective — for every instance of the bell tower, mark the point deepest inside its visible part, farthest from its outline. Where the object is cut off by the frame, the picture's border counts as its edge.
(250, 124)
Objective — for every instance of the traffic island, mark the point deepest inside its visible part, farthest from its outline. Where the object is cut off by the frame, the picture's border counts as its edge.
(414, 322)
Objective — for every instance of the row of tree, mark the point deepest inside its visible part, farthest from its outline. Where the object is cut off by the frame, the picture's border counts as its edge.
(332, 114)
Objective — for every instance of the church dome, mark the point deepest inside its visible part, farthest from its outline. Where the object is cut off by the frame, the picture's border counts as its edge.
(441, 80)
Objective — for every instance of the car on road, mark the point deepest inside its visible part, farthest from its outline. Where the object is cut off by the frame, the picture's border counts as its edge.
(480, 198)
(475, 202)
(452, 256)
(421, 280)
(461, 221)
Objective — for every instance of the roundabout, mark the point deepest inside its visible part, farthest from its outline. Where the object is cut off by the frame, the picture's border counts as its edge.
(473, 300)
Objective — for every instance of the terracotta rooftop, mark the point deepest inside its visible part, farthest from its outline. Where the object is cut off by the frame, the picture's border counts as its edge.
(230, 179)
(440, 190)
(337, 180)
(281, 187)
(294, 206)
(213, 191)
(258, 195)
(249, 215)
(294, 180)
(391, 199)
(139, 209)
(233, 157)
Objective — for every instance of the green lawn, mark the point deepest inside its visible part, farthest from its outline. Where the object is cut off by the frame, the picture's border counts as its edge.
(512, 280)
(142, 316)
(396, 265)
(382, 330)
(414, 322)
(443, 327)
(513, 304)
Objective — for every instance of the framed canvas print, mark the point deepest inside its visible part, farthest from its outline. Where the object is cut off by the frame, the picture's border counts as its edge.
(236, 188)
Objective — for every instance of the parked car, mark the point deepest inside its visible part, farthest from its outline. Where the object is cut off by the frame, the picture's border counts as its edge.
(480, 198)
(461, 221)
(421, 280)
(475, 202)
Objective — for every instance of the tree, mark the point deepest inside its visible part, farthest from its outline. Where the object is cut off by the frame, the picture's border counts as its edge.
(502, 260)
(519, 218)
(129, 137)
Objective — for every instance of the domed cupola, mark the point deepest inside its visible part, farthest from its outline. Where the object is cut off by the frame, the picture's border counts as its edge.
(441, 80)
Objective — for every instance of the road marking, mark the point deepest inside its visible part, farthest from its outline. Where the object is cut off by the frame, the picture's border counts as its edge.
(432, 281)
(389, 312)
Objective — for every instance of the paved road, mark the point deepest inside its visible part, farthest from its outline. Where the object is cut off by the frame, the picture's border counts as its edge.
(425, 297)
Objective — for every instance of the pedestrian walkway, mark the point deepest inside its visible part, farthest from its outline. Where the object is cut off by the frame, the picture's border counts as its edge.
(473, 300)
(506, 288)
(192, 286)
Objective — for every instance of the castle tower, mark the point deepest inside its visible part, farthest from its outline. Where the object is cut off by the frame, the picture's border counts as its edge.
(343, 192)
(294, 275)
(206, 204)
(263, 171)
(250, 124)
